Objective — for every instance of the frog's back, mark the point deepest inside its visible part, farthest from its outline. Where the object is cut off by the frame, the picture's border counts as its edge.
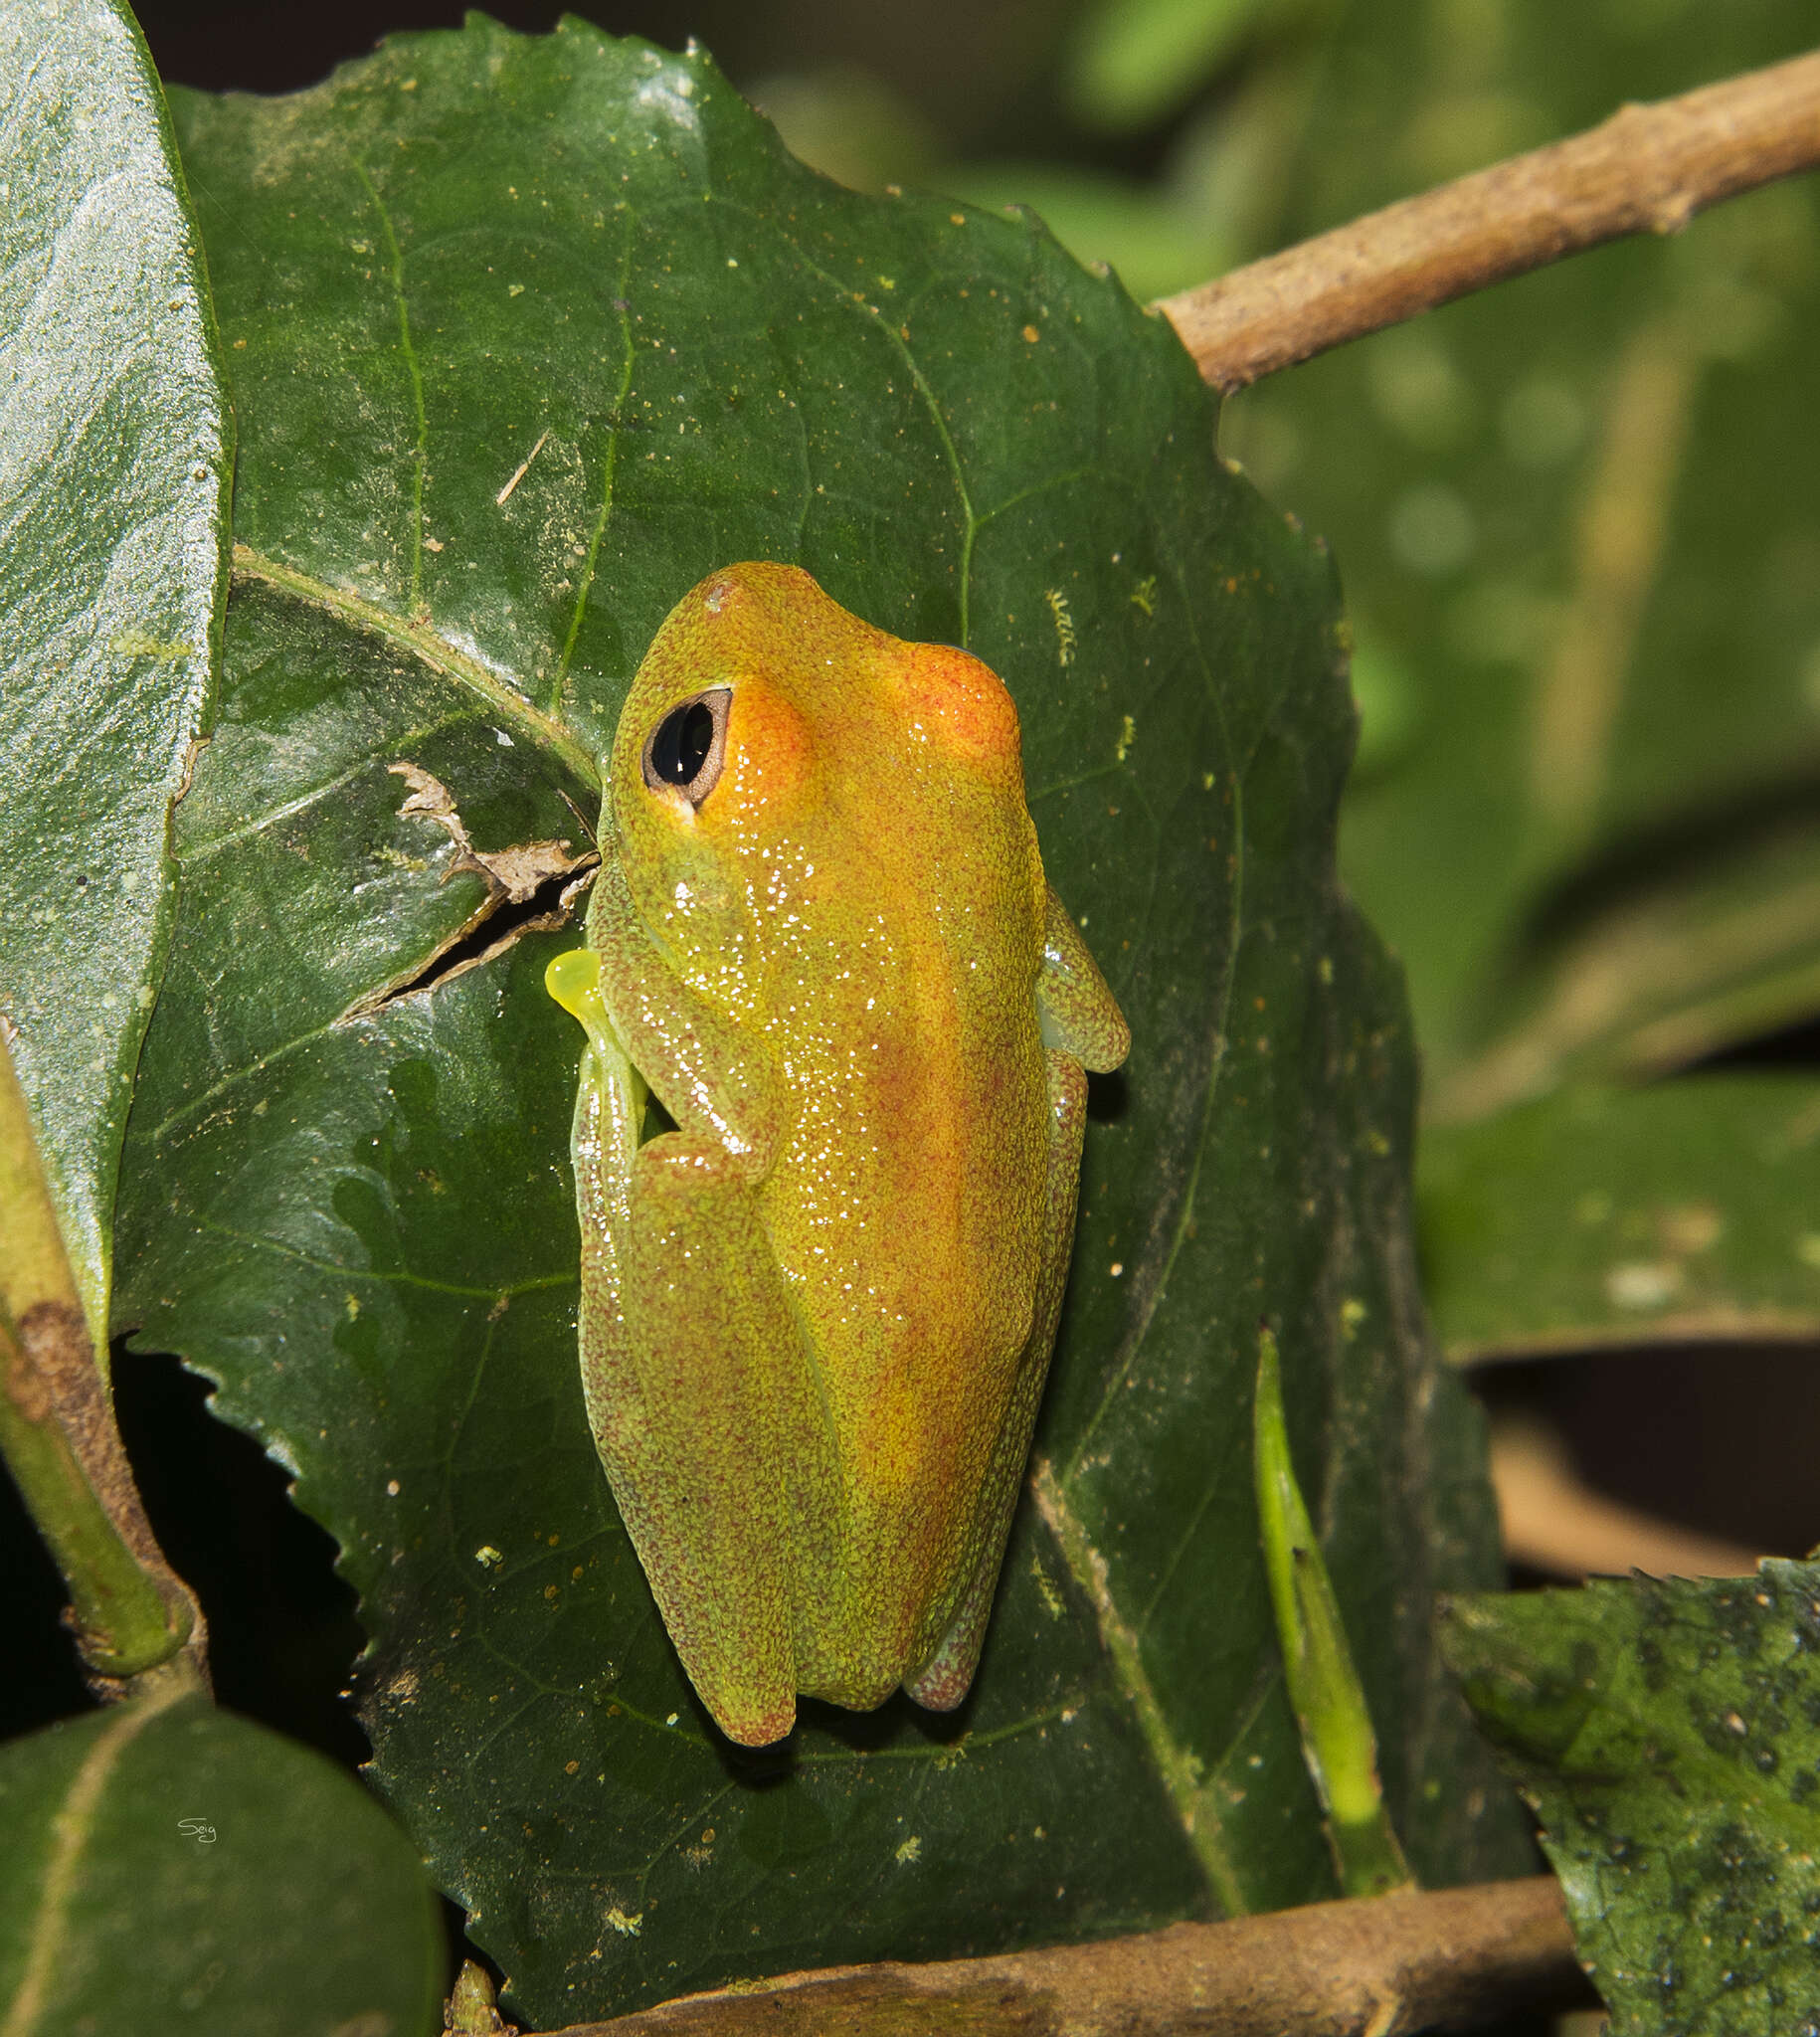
(908, 1212)
(861, 885)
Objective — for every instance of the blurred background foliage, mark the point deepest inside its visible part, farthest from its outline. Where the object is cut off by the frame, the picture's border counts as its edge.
(1577, 521)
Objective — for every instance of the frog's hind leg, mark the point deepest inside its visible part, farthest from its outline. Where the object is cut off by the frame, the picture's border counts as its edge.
(715, 1344)
(694, 1369)
(943, 1679)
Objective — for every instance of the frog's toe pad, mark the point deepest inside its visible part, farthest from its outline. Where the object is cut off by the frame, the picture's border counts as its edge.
(942, 1685)
(946, 1677)
(754, 1723)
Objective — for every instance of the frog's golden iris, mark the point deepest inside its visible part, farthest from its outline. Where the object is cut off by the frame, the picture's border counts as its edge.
(815, 1317)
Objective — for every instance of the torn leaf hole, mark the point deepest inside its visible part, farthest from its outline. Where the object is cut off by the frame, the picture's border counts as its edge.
(517, 874)
(499, 922)
(530, 888)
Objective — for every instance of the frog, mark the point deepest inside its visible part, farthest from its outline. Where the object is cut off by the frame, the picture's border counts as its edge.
(827, 1144)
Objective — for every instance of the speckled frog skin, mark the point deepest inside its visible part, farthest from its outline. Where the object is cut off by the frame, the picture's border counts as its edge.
(816, 1316)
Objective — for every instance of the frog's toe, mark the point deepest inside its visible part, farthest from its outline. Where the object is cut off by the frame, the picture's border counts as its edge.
(946, 1677)
(942, 1684)
(754, 1721)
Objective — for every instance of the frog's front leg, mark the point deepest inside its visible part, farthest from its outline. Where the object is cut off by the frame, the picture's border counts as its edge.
(1078, 1013)
(711, 1076)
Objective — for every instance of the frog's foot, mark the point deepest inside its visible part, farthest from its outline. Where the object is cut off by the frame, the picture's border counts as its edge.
(946, 1677)
(753, 1718)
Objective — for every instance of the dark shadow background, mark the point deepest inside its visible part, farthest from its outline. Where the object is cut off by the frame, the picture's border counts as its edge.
(980, 69)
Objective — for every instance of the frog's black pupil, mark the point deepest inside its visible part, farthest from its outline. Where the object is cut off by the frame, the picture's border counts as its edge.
(681, 744)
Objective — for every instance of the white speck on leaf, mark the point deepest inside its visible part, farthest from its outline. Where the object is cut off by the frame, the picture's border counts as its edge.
(1642, 1283)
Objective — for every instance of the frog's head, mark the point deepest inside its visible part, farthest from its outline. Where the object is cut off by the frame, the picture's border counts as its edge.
(773, 740)
(714, 752)
(760, 699)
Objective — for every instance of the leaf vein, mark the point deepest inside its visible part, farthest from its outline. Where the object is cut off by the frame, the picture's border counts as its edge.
(931, 407)
(202, 852)
(399, 1277)
(431, 648)
(1178, 1768)
(420, 452)
(614, 432)
(71, 1828)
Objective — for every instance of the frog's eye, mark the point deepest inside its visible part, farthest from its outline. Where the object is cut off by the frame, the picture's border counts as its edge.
(689, 745)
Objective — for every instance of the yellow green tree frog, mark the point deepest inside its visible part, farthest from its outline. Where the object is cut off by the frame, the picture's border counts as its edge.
(817, 1315)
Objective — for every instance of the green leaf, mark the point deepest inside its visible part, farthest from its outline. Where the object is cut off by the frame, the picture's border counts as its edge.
(1657, 975)
(1136, 60)
(170, 1867)
(117, 449)
(1602, 1216)
(1155, 242)
(1571, 512)
(527, 337)
(1338, 1742)
(1664, 1731)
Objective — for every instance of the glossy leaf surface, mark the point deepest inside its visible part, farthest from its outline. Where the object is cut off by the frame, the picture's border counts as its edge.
(527, 337)
(114, 451)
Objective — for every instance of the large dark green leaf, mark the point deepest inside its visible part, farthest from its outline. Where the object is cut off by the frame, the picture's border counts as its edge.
(114, 464)
(1666, 1732)
(170, 1867)
(527, 337)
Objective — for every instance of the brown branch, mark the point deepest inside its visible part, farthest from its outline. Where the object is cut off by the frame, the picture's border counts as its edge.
(1554, 1522)
(133, 1617)
(1647, 169)
(1440, 1959)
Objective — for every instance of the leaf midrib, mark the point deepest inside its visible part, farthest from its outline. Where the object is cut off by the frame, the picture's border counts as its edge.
(73, 1826)
(430, 647)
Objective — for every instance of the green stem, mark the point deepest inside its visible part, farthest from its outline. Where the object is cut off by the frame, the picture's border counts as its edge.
(132, 1613)
(1323, 1688)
